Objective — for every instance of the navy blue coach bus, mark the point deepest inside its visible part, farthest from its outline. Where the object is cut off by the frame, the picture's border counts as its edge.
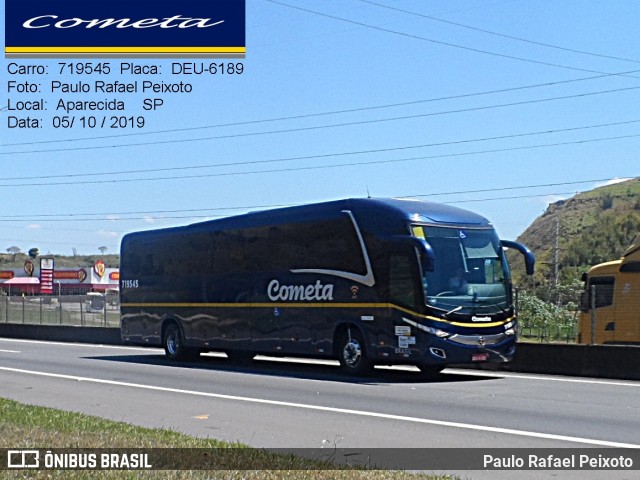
(366, 281)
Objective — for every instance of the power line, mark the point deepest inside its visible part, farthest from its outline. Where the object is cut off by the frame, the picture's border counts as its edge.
(322, 167)
(310, 157)
(448, 202)
(321, 127)
(503, 189)
(32, 242)
(85, 216)
(511, 198)
(333, 112)
(40, 217)
(439, 42)
(489, 32)
(178, 217)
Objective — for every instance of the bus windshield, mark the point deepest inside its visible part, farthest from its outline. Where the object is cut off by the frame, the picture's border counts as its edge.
(470, 275)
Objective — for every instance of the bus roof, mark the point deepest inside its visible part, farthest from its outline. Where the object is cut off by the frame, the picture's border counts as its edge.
(606, 268)
(633, 252)
(375, 214)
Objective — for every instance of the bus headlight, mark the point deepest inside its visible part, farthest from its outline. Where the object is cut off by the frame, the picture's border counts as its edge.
(440, 333)
(433, 331)
(510, 328)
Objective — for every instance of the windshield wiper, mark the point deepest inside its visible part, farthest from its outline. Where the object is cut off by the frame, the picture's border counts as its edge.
(457, 309)
(489, 309)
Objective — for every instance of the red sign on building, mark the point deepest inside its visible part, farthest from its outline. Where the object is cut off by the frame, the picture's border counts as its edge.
(46, 275)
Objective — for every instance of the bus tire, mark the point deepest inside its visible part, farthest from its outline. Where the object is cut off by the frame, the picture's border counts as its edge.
(352, 353)
(173, 342)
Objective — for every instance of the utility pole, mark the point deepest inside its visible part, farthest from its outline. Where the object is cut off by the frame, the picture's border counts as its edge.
(556, 262)
(556, 249)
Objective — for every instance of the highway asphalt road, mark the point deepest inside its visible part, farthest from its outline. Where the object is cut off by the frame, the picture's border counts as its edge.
(277, 403)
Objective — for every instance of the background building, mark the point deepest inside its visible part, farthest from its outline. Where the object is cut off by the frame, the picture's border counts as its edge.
(32, 279)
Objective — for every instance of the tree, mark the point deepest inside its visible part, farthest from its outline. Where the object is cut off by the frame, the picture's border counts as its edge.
(538, 318)
(607, 201)
(34, 252)
(103, 249)
(14, 251)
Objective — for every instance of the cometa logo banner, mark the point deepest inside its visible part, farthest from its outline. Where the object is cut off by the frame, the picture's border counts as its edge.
(125, 28)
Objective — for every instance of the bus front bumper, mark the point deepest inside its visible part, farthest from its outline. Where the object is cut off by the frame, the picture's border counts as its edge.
(456, 349)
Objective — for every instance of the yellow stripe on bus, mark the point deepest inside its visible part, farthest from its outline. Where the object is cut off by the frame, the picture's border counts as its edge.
(315, 305)
(125, 50)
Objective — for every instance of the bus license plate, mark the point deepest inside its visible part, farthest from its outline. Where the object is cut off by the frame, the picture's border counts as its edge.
(479, 357)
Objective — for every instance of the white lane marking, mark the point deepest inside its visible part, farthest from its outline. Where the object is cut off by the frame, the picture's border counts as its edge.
(9, 351)
(88, 345)
(362, 413)
(549, 378)
(474, 373)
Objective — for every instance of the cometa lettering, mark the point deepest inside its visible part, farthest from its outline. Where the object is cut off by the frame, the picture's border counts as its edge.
(284, 293)
(177, 21)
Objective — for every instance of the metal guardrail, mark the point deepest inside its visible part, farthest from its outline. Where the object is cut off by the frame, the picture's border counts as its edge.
(97, 310)
(92, 310)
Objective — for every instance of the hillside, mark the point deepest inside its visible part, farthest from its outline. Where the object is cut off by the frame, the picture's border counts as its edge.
(593, 227)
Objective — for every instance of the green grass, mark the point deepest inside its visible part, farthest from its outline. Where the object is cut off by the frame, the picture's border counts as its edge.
(24, 427)
(622, 189)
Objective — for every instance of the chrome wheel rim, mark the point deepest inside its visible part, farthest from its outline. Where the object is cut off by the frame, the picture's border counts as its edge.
(172, 344)
(352, 353)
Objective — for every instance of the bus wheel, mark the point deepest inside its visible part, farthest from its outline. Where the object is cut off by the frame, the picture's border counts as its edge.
(174, 344)
(241, 357)
(352, 354)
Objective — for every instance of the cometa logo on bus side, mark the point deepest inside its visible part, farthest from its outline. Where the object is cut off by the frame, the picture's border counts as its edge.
(317, 291)
(44, 21)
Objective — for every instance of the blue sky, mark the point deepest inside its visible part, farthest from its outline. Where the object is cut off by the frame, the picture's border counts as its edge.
(328, 79)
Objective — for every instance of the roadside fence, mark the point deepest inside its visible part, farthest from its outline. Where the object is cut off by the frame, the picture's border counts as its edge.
(560, 329)
(93, 310)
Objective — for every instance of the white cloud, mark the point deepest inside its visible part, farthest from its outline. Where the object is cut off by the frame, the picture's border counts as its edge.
(149, 219)
(108, 234)
(549, 199)
(613, 181)
(33, 226)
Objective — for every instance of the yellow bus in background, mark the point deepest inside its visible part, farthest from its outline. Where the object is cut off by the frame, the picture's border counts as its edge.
(614, 309)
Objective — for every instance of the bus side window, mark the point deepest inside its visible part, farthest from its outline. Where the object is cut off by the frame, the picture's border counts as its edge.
(604, 293)
(402, 288)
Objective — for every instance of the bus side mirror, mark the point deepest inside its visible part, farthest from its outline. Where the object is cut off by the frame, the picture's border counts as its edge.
(426, 255)
(529, 257)
(585, 303)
